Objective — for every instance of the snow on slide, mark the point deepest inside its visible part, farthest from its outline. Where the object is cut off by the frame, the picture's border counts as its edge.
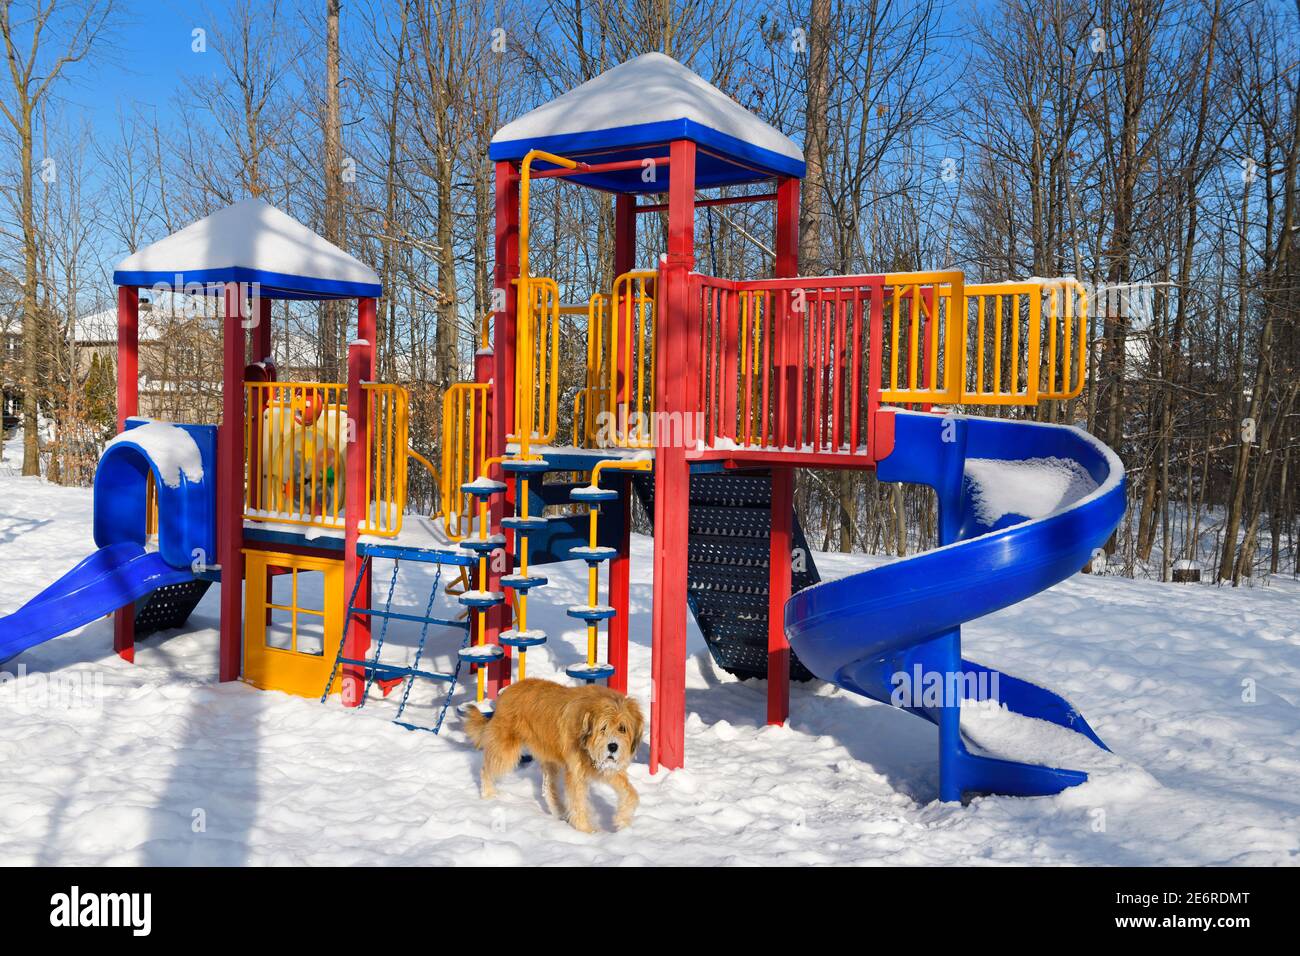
(173, 450)
(1034, 488)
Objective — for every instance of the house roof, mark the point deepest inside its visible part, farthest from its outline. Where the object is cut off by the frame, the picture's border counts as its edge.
(251, 242)
(633, 109)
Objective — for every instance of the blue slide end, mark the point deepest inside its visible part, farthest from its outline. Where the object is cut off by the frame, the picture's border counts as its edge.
(123, 570)
(873, 632)
(111, 578)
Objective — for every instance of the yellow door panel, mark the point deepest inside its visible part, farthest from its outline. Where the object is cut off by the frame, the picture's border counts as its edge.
(293, 622)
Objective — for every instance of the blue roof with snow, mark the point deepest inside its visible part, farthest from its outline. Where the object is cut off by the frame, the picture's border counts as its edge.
(633, 110)
(251, 242)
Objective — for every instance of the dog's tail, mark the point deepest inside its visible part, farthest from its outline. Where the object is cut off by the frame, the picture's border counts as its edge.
(476, 723)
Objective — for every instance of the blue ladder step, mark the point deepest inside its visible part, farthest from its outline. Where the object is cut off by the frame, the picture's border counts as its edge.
(484, 545)
(525, 466)
(524, 525)
(590, 672)
(592, 493)
(481, 653)
(594, 555)
(592, 612)
(483, 487)
(528, 638)
(413, 618)
(421, 555)
(390, 671)
(522, 582)
(481, 598)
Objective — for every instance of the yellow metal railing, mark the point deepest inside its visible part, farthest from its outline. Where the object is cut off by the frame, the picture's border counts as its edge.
(923, 338)
(1011, 343)
(537, 357)
(1066, 354)
(464, 444)
(1025, 342)
(295, 450)
(589, 401)
(628, 377)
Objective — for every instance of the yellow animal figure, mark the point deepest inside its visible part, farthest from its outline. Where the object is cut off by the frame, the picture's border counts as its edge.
(303, 462)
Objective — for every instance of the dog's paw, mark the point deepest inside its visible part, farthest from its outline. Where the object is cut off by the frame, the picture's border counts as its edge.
(622, 821)
(583, 826)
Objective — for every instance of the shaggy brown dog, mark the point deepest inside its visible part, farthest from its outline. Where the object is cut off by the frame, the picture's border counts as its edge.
(587, 733)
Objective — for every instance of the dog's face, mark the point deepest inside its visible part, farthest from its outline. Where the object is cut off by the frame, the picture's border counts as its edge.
(611, 732)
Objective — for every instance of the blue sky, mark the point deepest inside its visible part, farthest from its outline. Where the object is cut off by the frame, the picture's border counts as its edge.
(148, 60)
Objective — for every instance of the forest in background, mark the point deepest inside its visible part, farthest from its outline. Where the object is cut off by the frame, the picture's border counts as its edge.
(1148, 147)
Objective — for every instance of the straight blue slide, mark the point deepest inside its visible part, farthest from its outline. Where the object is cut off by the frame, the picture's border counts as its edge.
(1022, 506)
(110, 578)
(180, 461)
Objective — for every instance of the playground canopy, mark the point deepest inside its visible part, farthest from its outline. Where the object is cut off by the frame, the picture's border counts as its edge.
(251, 242)
(629, 112)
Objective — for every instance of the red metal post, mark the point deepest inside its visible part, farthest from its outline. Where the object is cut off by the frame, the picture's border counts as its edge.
(361, 368)
(128, 404)
(672, 474)
(779, 578)
(620, 567)
(781, 545)
(262, 334)
(505, 271)
(230, 483)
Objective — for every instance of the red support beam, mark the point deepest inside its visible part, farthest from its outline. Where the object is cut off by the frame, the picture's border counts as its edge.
(779, 578)
(128, 404)
(262, 332)
(672, 475)
(715, 201)
(620, 568)
(625, 210)
(501, 412)
(583, 169)
(361, 368)
(779, 555)
(230, 483)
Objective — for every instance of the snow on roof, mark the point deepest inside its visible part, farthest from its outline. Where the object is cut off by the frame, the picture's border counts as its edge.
(172, 448)
(651, 100)
(252, 242)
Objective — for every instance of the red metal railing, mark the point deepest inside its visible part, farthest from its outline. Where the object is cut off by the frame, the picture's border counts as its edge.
(783, 363)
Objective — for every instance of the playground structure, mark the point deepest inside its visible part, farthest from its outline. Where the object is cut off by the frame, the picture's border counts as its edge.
(701, 396)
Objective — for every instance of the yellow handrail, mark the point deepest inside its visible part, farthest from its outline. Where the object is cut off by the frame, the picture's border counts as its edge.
(999, 316)
(464, 444)
(593, 516)
(537, 357)
(525, 344)
(934, 370)
(630, 362)
(1067, 347)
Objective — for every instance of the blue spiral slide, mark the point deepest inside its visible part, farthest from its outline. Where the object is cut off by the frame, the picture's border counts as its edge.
(123, 570)
(865, 631)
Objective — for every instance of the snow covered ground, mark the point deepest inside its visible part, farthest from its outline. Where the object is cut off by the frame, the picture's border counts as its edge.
(1196, 688)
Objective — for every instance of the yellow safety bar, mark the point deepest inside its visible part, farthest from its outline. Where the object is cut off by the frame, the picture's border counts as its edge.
(925, 340)
(588, 401)
(999, 348)
(1000, 317)
(295, 447)
(464, 444)
(629, 377)
(530, 378)
(1067, 340)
